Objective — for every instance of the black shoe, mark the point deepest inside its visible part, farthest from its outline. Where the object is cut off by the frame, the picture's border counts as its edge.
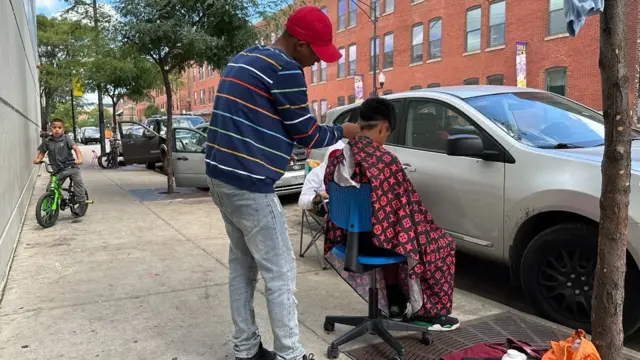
(308, 357)
(441, 323)
(262, 354)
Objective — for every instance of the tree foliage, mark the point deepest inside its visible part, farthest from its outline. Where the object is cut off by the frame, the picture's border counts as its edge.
(175, 34)
(62, 47)
(151, 110)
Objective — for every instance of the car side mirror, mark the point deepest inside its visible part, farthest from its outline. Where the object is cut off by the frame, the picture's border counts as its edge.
(148, 134)
(465, 145)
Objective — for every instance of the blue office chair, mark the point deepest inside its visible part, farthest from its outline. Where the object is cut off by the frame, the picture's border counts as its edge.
(351, 210)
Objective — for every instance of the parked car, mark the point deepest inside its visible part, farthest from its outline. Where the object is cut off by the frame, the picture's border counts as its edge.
(142, 145)
(90, 135)
(513, 174)
(159, 124)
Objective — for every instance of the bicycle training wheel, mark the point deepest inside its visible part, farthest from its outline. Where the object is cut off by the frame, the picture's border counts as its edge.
(45, 214)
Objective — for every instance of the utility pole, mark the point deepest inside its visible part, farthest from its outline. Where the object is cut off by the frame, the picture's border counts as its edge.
(374, 20)
(100, 105)
(73, 117)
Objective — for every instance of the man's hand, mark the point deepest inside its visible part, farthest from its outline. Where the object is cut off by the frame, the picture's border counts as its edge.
(324, 195)
(36, 161)
(350, 130)
(78, 161)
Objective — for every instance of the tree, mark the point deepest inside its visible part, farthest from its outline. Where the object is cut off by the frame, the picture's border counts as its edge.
(62, 44)
(122, 73)
(177, 34)
(151, 110)
(273, 23)
(608, 296)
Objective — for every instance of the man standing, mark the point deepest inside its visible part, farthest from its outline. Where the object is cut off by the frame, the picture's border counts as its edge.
(260, 111)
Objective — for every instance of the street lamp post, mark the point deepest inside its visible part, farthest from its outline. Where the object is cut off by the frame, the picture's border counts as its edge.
(374, 21)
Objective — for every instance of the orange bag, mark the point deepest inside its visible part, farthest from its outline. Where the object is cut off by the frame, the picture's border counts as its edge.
(565, 349)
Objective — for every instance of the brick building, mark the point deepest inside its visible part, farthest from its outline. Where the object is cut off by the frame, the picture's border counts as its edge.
(424, 43)
(428, 43)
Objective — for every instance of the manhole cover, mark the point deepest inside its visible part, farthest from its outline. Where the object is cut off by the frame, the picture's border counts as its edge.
(493, 328)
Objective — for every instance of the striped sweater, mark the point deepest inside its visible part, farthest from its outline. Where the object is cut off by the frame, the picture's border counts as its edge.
(260, 110)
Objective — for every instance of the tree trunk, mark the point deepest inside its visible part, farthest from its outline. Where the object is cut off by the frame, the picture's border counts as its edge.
(608, 296)
(169, 134)
(113, 141)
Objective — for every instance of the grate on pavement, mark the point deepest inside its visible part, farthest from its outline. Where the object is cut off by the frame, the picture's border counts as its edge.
(492, 328)
(159, 194)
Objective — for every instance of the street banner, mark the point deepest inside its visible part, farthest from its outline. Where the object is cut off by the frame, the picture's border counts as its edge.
(521, 64)
(358, 87)
(77, 88)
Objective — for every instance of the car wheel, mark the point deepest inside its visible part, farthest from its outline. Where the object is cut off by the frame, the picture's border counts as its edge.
(151, 165)
(165, 165)
(557, 273)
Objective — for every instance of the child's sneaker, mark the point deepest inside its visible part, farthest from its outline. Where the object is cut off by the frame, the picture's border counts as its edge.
(441, 323)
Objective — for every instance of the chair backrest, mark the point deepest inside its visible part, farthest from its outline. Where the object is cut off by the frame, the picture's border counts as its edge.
(350, 207)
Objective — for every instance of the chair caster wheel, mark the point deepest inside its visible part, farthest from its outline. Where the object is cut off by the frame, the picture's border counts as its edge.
(396, 357)
(426, 340)
(329, 326)
(332, 353)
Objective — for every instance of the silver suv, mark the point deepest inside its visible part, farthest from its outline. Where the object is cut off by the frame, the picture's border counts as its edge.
(514, 176)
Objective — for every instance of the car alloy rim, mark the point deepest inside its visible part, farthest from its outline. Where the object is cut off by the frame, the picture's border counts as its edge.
(566, 282)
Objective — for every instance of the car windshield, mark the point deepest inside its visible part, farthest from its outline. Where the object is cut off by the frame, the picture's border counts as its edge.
(192, 120)
(91, 131)
(542, 119)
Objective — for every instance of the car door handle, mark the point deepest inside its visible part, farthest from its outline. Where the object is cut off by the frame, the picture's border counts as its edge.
(182, 158)
(408, 168)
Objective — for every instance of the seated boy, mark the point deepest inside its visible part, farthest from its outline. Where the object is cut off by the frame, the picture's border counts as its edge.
(401, 224)
(58, 146)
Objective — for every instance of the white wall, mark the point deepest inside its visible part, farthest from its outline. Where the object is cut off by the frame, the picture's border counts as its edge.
(19, 119)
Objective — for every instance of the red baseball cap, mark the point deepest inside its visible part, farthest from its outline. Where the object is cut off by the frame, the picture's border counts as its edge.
(312, 25)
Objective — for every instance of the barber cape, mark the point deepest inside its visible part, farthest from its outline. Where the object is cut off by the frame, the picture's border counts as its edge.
(401, 223)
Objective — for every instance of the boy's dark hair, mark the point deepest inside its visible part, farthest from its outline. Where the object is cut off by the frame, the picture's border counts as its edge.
(376, 109)
(57, 120)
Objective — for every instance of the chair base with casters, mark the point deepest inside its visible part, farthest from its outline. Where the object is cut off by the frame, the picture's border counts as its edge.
(375, 322)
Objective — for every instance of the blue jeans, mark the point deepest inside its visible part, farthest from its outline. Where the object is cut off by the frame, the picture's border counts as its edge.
(259, 241)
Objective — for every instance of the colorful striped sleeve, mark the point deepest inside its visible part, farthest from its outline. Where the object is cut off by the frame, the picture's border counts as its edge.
(289, 91)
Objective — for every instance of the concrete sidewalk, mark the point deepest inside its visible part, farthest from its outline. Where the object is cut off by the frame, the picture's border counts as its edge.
(148, 280)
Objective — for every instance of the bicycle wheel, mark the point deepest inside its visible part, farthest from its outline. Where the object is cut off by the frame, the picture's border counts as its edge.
(102, 160)
(78, 210)
(45, 214)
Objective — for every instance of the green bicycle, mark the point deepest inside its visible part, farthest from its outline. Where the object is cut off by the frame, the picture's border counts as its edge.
(53, 200)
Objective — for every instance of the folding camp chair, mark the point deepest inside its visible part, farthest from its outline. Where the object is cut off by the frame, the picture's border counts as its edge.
(316, 231)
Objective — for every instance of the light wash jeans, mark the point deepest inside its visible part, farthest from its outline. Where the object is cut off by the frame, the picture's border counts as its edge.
(259, 241)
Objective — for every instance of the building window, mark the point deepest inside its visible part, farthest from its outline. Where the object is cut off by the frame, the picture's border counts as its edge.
(341, 13)
(388, 6)
(341, 64)
(471, 81)
(473, 30)
(416, 43)
(433, 85)
(314, 73)
(495, 79)
(353, 54)
(201, 73)
(387, 92)
(194, 75)
(202, 95)
(323, 111)
(352, 99)
(556, 80)
(387, 57)
(415, 87)
(340, 100)
(213, 93)
(375, 4)
(209, 95)
(195, 98)
(435, 36)
(496, 23)
(374, 52)
(323, 71)
(557, 22)
(314, 108)
(353, 8)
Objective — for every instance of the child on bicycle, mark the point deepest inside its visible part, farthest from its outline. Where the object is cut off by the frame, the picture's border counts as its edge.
(58, 146)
